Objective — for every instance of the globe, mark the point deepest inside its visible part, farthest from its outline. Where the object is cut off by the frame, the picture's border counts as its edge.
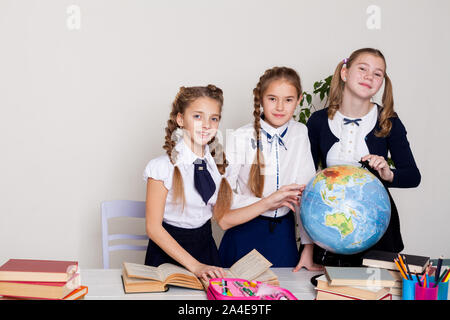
(345, 209)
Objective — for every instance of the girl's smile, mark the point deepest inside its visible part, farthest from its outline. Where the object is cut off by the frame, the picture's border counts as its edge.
(279, 102)
(200, 123)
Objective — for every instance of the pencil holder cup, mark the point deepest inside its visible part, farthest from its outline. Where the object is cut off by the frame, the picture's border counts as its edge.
(426, 293)
(408, 289)
(442, 288)
(443, 291)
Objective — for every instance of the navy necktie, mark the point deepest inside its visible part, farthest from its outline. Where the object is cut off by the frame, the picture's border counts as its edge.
(203, 181)
(347, 121)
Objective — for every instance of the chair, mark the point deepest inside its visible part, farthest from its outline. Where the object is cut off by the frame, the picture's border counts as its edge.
(120, 208)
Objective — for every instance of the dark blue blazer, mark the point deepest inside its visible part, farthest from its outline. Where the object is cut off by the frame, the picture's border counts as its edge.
(406, 174)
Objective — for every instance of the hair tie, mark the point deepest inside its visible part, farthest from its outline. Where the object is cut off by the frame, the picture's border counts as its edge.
(345, 61)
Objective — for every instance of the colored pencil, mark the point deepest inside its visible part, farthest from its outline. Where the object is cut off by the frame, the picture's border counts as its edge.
(407, 268)
(400, 260)
(444, 273)
(447, 276)
(401, 270)
(422, 279)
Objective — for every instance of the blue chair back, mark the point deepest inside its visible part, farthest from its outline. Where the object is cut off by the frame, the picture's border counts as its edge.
(120, 208)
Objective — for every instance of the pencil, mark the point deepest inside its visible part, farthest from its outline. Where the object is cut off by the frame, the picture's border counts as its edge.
(418, 280)
(401, 270)
(446, 276)
(444, 273)
(423, 278)
(438, 270)
(407, 267)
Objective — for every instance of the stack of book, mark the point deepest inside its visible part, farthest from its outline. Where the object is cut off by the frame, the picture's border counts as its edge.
(141, 278)
(385, 260)
(41, 279)
(355, 283)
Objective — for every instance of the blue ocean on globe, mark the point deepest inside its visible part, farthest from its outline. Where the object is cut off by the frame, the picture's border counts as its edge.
(345, 209)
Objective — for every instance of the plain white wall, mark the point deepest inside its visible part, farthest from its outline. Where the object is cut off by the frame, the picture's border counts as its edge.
(84, 110)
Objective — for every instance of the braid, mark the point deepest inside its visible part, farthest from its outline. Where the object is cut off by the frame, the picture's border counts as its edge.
(169, 143)
(169, 146)
(256, 179)
(225, 194)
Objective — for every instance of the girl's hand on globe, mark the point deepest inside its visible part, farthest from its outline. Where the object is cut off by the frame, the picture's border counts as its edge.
(379, 164)
(286, 196)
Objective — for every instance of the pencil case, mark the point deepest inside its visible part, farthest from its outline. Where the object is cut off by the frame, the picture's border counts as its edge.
(242, 289)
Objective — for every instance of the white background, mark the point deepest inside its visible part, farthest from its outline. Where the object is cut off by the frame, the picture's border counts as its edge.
(84, 110)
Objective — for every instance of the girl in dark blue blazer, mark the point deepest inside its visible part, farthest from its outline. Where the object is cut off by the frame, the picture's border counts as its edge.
(353, 129)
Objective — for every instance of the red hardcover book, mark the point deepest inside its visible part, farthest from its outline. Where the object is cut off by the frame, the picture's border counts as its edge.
(38, 270)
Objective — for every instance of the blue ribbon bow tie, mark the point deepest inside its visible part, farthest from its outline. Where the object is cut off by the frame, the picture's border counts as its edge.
(271, 138)
(355, 121)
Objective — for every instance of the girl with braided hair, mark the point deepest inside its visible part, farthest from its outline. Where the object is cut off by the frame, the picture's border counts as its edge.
(184, 184)
(269, 156)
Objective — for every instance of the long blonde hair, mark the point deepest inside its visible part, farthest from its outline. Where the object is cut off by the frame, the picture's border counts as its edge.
(184, 97)
(337, 92)
(256, 178)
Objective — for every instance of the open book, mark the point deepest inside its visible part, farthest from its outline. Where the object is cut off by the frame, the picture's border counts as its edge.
(142, 278)
(252, 266)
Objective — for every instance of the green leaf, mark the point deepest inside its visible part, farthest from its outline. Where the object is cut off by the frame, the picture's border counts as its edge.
(309, 98)
(302, 118)
(317, 84)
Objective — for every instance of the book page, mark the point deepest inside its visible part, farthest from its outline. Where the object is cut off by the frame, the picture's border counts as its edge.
(266, 276)
(141, 271)
(250, 266)
(167, 269)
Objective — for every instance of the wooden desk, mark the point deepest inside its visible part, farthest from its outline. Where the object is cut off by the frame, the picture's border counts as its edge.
(107, 284)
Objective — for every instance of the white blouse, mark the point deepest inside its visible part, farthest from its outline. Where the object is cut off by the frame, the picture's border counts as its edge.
(287, 161)
(351, 146)
(196, 213)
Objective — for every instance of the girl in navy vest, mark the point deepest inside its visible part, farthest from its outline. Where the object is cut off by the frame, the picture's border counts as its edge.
(269, 157)
(353, 128)
(184, 185)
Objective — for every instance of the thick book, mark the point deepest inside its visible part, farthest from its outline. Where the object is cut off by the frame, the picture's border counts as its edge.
(39, 290)
(359, 276)
(385, 260)
(38, 270)
(361, 293)
(76, 294)
(142, 278)
(326, 295)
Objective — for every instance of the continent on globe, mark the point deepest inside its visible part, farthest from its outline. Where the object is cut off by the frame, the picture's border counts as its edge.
(341, 222)
(341, 175)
